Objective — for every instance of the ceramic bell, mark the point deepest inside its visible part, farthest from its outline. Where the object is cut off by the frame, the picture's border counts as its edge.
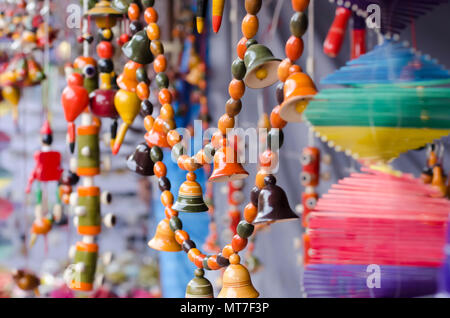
(138, 48)
(199, 286)
(226, 169)
(236, 281)
(105, 16)
(140, 161)
(273, 205)
(261, 67)
(164, 239)
(190, 196)
(299, 89)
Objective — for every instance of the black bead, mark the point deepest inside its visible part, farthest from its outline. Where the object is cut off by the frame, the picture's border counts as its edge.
(187, 245)
(222, 261)
(156, 154)
(254, 194)
(280, 93)
(73, 178)
(275, 139)
(245, 229)
(175, 223)
(270, 180)
(135, 27)
(164, 184)
(105, 66)
(146, 108)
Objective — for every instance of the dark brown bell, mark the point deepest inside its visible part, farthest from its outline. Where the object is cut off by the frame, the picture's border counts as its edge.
(140, 161)
(273, 205)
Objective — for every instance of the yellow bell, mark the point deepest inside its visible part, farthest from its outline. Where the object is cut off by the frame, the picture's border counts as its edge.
(12, 95)
(164, 239)
(236, 281)
(128, 106)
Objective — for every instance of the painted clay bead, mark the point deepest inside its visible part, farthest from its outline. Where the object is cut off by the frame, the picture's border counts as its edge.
(148, 122)
(294, 48)
(253, 6)
(236, 89)
(153, 31)
(275, 139)
(238, 243)
(298, 24)
(212, 262)
(142, 91)
(259, 179)
(233, 107)
(160, 169)
(150, 15)
(295, 69)
(106, 34)
(133, 12)
(227, 251)
(238, 69)
(167, 112)
(181, 160)
(175, 223)
(245, 229)
(250, 42)
(181, 236)
(173, 138)
(241, 47)
(198, 260)
(205, 263)
(141, 75)
(165, 96)
(279, 92)
(222, 261)
(225, 122)
(167, 198)
(250, 25)
(300, 5)
(156, 48)
(275, 119)
(135, 27)
(268, 159)
(105, 50)
(148, 3)
(164, 184)
(156, 154)
(169, 212)
(283, 69)
(254, 194)
(162, 81)
(160, 63)
(250, 212)
(146, 108)
(187, 245)
(193, 253)
(177, 151)
(235, 259)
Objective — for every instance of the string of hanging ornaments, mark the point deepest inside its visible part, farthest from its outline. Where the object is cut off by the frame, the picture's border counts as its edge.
(255, 67)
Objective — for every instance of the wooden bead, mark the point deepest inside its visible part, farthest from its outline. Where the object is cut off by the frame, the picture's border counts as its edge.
(283, 69)
(268, 159)
(173, 138)
(233, 107)
(175, 223)
(167, 198)
(235, 259)
(156, 48)
(167, 112)
(190, 165)
(294, 48)
(241, 47)
(165, 96)
(250, 212)
(153, 31)
(275, 139)
(198, 260)
(162, 80)
(105, 50)
(133, 12)
(169, 212)
(225, 122)
(238, 243)
(238, 69)
(212, 262)
(177, 151)
(259, 179)
(150, 15)
(275, 119)
(160, 64)
(160, 169)
(250, 25)
(295, 69)
(156, 154)
(181, 236)
(164, 184)
(148, 122)
(188, 245)
(193, 253)
(253, 6)
(227, 251)
(300, 5)
(245, 229)
(298, 24)
(142, 91)
(236, 89)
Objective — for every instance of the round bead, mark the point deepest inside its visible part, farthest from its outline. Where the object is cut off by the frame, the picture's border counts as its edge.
(235, 259)
(150, 15)
(236, 89)
(268, 159)
(294, 48)
(233, 107)
(283, 69)
(300, 5)
(164, 184)
(198, 260)
(245, 229)
(212, 262)
(146, 108)
(275, 139)
(298, 24)
(105, 66)
(156, 154)
(279, 92)
(275, 119)
(178, 150)
(193, 253)
(156, 48)
(295, 69)
(250, 25)
(187, 245)
(135, 27)
(173, 138)
(105, 50)
(270, 180)
(238, 69)
(238, 243)
(222, 261)
(167, 198)
(250, 212)
(160, 64)
(241, 47)
(143, 91)
(253, 6)
(259, 179)
(199, 272)
(153, 31)
(106, 34)
(175, 223)
(225, 122)
(160, 169)
(133, 12)
(181, 236)
(227, 251)
(162, 81)
(254, 194)
(165, 96)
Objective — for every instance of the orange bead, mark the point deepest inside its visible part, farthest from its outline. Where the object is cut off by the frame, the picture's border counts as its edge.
(235, 259)
(198, 261)
(153, 32)
(160, 63)
(169, 212)
(242, 47)
(148, 122)
(133, 12)
(250, 212)
(217, 140)
(236, 89)
(167, 112)
(295, 69)
(250, 25)
(227, 251)
(238, 243)
(300, 5)
(259, 179)
(283, 69)
(142, 91)
(173, 137)
(275, 119)
(181, 160)
(160, 169)
(150, 15)
(164, 96)
(193, 253)
(167, 198)
(268, 159)
(212, 262)
(225, 122)
(181, 236)
(294, 48)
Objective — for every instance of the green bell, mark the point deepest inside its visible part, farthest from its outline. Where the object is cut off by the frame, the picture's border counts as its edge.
(121, 5)
(190, 196)
(138, 48)
(199, 286)
(261, 66)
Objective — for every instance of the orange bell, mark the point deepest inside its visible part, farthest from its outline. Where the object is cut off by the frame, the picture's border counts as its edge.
(236, 281)
(226, 167)
(299, 89)
(127, 80)
(164, 239)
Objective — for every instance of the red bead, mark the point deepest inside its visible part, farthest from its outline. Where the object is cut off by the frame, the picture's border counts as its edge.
(238, 243)
(294, 48)
(198, 260)
(105, 50)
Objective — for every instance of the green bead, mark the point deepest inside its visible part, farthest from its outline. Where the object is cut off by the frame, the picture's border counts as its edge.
(175, 223)
(156, 154)
(238, 69)
(299, 24)
(177, 151)
(205, 263)
(250, 43)
(162, 80)
(245, 229)
(147, 3)
(141, 75)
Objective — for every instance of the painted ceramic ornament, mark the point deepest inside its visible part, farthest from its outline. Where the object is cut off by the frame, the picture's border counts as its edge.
(140, 161)
(164, 239)
(335, 36)
(309, 201)
(87, 66)
(199, 286)
(261, 66)
(87, 211)
(81, 274)
(190, 196)
(102, 103)
(236, 281)
(88, 153)
(137, 49)
(217, 13)
(201, 15)
(310, 160)
(121, 5)
(104, 14)
(226, 167)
